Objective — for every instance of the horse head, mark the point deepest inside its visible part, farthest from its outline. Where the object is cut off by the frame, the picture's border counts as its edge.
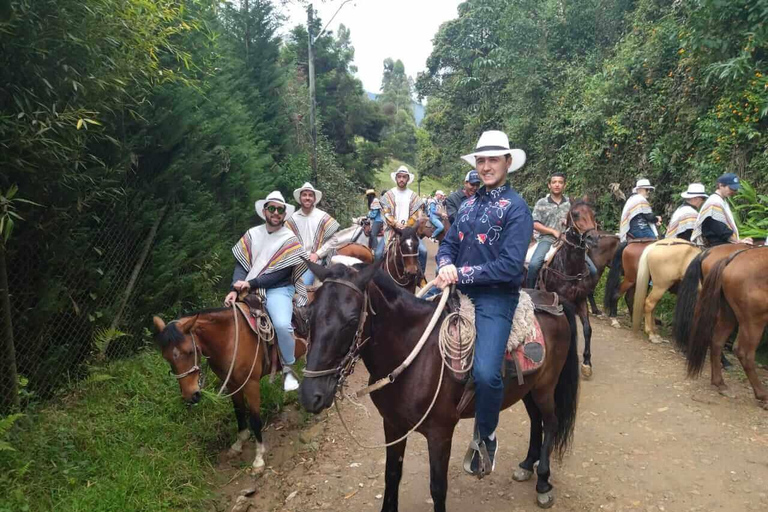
(336, 324)
(408, 247)
(581, 225)
(179, 348)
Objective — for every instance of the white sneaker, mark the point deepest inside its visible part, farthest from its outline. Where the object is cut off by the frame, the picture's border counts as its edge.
(290, 382)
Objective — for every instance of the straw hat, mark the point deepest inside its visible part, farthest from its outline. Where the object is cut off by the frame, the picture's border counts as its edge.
(307, 186)
(496, 143)
(642, 183)
(694, 190)
(274, 197)
(402, 170)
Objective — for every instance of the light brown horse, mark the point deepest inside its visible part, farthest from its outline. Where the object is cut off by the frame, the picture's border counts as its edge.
(734, 294)
(210, 333)
(359, 251)
(663, 262)
(623, 263)
(425, 228)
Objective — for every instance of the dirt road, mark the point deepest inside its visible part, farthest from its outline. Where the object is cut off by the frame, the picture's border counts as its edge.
(646, 439)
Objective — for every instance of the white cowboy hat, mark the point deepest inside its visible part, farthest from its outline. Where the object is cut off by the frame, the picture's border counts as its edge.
(496, 143)
(307, 186)
(274, 197)
(439, 193)
(694, 190)
(375, 204)
(642, 183)
(402, 170)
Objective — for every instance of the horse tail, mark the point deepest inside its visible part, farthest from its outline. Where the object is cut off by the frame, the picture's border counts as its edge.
(641, 288)
(687, 295)
(611, 297)
(706, 315)
(567, 389)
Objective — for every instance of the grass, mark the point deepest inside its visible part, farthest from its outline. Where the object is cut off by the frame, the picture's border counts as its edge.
(428, 185)
(122, 440)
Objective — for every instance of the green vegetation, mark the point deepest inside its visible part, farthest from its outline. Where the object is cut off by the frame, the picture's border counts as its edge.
(429, 184)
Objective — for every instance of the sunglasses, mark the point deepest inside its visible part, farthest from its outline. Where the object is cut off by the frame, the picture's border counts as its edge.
(278, 209)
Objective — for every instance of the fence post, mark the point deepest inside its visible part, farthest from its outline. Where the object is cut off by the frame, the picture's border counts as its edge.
(9, 391)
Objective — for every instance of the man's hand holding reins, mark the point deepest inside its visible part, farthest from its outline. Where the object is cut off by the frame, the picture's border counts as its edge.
(239, 286)
(447, 276)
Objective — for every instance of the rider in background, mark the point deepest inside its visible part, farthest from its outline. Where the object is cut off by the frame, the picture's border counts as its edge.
(549, 217)
(684, 219)
(484, 253)
(355, 234)
(269, 260)
(637, 217)
(377, 220)
(715, 224)
(453, 201)
(400, 207)
(433, 209)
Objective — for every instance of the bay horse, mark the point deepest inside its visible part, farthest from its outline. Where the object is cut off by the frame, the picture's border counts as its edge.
(665, 263)
(734, 294)
(401, 258)
(394, 321)
(210, 333)
(567, 274)
(601, 255)
(624, 264)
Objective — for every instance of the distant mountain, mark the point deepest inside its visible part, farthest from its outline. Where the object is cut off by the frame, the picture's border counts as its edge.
(418, 108)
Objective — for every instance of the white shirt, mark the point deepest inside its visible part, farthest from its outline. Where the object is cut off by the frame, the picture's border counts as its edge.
(402, 204)
(308, 226)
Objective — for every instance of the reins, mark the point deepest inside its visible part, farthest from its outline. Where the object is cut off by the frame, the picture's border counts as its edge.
(394, 242)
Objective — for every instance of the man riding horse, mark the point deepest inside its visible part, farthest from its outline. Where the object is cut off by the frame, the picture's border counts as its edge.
(715, 224)
(454, 200)
(400, 207)
(683, 221)
(484, 253)
(311, 225)
(269, 261)
(549, 217)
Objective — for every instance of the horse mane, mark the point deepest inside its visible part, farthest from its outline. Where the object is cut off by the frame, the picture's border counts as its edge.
(169, 336)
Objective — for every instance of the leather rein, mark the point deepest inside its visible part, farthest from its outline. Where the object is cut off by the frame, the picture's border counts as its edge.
(582, 245)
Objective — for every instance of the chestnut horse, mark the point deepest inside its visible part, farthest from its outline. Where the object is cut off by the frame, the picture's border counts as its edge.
(359, 251)
(425, 228)
(210, 333)
(394, 322)
(734, 294)
(665, 263)
(601, 256)
(567, 274)
(401, 258)
(624, 263)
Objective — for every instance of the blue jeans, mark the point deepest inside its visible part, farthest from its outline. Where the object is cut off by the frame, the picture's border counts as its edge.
(280, 309)
(308, 277)
(494, 310)
(435, 220)
(537, 261)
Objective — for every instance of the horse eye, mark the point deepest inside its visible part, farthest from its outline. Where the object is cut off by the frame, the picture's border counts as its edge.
(576, 215)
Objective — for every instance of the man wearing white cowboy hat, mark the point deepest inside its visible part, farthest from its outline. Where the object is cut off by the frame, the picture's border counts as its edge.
(637, 217)
(269, 260)
(484, 252)
(684, 219)
(400, 208)
(312, 226)
(715, 224)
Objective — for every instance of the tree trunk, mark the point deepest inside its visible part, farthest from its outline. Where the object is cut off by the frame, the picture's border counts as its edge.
(9, 390)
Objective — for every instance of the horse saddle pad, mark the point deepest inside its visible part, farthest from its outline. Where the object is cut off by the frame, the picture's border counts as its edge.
(253, 311)
(550, 254)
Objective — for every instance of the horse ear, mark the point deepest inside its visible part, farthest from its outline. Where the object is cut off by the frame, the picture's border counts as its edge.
(366, 275)
(158, 323)
(320, 271)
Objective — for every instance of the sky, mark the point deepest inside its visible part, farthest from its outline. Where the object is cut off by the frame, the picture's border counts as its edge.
(400, 29)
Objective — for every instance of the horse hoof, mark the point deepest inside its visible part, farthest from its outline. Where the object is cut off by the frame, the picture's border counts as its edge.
(655, 339)
(522, 475)
(763, 404)
(726, 391)
(545, 499)
(615, 323)
(586, 371)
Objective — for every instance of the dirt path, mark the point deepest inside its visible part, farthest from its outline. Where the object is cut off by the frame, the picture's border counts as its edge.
(646, 439)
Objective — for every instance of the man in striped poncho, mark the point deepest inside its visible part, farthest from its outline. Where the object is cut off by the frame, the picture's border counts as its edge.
(312, 226)
(268, 260)
(715, 224)
(684, 219)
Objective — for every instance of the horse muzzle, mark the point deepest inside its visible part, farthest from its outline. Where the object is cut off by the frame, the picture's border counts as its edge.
(317, 394)
(193, 399)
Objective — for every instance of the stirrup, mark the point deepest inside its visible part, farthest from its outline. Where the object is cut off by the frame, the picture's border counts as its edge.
(485, 467)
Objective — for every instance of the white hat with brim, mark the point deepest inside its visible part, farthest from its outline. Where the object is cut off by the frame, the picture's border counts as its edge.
(694, 190)
(307, 186)
(402, 170)
(274, 197)
(496, 143)
(643, 183)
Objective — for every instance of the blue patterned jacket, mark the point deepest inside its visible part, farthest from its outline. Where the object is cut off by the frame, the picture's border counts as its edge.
(489, 240)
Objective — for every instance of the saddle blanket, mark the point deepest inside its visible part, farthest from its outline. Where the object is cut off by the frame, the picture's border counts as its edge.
(547, 258)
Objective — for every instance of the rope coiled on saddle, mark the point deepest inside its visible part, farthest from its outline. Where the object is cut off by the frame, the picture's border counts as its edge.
(459, 345)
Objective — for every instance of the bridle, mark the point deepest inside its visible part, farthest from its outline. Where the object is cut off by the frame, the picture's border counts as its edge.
(403, 279)
(346, 367)
(195, 367)
(582, 235)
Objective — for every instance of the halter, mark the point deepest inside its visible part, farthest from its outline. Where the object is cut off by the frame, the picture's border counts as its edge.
(581, 234)
(347, 365)
(404, 276)
(195, 367)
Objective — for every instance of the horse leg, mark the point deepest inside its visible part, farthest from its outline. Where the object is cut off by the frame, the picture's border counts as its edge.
(586, 365)
(545, 401)
(241, 413)
(394, 467)
(750, 333)
(650, 305)
(525, 470)
(253, 394)
(595, 310)
(439, 445)
(725, 325)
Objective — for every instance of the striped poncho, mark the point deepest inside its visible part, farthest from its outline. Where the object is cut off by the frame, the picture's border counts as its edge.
(261, 253)
(312, 230)
(717, 208)
(390, 211)
(682, 220)
(635, 205)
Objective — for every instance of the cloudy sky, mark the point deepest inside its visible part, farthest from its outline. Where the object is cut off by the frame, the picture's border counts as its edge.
(401, 29)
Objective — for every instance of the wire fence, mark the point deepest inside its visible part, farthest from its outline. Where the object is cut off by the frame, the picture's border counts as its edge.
(69, 311)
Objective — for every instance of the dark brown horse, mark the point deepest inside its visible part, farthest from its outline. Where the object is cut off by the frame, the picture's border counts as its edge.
(601, 256)
(389, 335)
(624, 264)
(567, 274)
(425, 228)
(401, 259)
(211, 333)
(734, 294)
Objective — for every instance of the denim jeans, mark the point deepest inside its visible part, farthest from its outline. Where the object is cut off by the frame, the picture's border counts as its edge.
(308, 277)
(537, 261)
(373, 238)
(435, 220)
(280, 309)
(494, 310)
